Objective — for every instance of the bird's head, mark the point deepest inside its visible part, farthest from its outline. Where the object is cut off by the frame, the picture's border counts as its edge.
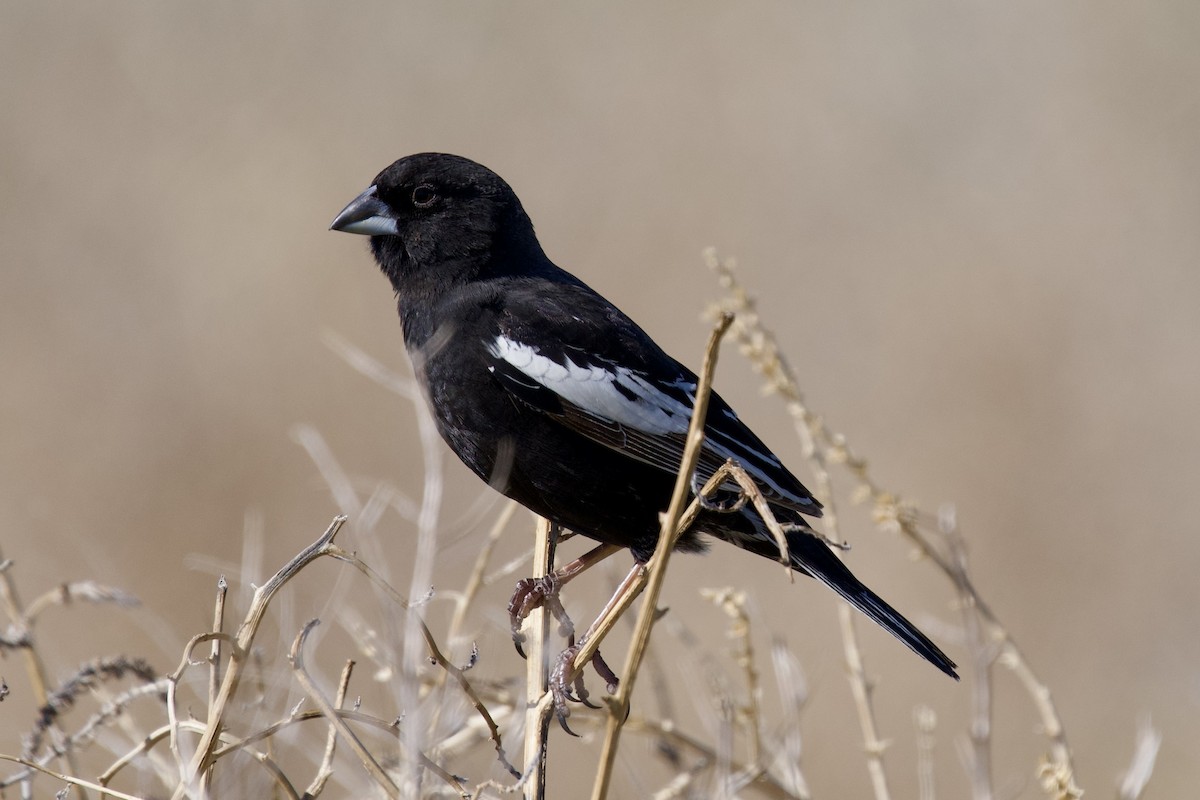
(435, 216)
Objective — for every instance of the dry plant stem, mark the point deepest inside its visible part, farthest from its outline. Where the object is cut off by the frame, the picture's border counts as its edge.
(173, 680)
(239, 652)
(861, 687)
(825, 445)
(667, 535)
(635, 581)
(113, 711)
(143, 748)
(925, 722)
(337, 720)
(434, 652)
(860, 684)
(214, 669)
(76, 591)
(759, 342)
(627, 591)
(326, 770)
(983, 656)
(337, 723)
(73, 781)
(214, 656)
(148, 743)
(156, 736)
(764, 783)
(476, 580)
(793, 696)
(734, 605)
(537, 669)
(150, 740)
(34, 666)
(33, 662)
(422, 577)
(464, 600)
(277, 773)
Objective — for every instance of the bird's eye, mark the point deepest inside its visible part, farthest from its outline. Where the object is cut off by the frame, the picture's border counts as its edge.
(423, 196)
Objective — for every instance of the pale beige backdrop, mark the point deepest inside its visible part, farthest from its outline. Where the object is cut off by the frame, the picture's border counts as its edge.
(974, 228)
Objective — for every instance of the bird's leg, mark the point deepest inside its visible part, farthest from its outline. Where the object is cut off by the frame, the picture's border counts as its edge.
(567, 684)
(534, 592)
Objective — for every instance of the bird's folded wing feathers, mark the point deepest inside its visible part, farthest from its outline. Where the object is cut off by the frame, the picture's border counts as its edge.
(644, 418)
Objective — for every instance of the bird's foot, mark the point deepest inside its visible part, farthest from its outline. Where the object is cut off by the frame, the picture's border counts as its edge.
(534, 593)
(567, 685)
(734, 501)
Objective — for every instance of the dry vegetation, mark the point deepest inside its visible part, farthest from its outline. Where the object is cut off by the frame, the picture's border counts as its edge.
(242, 714)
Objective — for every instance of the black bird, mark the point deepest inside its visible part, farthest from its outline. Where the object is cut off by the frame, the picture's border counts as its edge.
(556, 398)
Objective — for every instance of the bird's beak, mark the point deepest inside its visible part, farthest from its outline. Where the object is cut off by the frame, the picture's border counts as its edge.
(368, 215)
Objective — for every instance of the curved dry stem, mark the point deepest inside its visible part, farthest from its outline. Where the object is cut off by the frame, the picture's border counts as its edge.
(326, 769)
(241, 647)
(754, 777)
(144, 747)
(824, 446)
(72, 780)
(335, 722)
(35, 667)
(77, 591)
(733, 603)
(435, 654)
(463, 602)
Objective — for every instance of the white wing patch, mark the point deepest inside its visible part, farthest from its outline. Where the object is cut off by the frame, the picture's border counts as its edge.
(618, 394)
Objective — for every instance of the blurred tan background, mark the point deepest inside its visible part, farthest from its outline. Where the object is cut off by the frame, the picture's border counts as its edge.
(975, 229)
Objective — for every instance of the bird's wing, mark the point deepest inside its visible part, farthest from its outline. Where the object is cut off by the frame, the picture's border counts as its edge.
(617, 387)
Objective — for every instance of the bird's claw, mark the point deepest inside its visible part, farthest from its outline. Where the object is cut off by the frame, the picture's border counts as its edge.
(533, 593)
(727, 506)
(567, 685)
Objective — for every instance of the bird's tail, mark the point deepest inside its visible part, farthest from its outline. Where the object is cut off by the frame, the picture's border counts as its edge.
(814, 557)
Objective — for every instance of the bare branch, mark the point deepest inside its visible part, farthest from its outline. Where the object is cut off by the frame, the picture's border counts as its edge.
(238, 656)
(335, 722)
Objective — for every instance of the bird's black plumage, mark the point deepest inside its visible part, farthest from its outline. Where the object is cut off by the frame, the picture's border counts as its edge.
(551, 394)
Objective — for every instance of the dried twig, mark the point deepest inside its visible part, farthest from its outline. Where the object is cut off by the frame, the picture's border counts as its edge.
(35, 667)
(763, 782)
(823, 446)
(733, 603)
(759, 346)
(335, 722)
(463, 600)
(477, 579)
(925, 723)
(75, 591)
(69, 779)
(434, 652)
(85, 678)
(537, 669)
(326, 769)
(983, 656)
(240, 649)
(214, 665)
(669, 531)
(793, 695)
